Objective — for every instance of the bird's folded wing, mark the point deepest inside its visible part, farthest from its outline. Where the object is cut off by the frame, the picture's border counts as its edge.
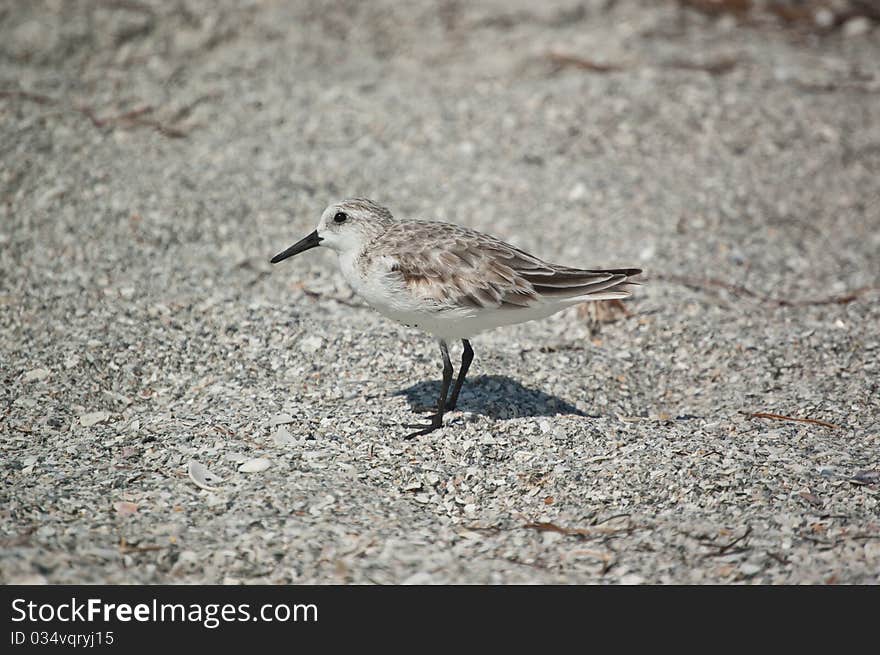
(481, 272)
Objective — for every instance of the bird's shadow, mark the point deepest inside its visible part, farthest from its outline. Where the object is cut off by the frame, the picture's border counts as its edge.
(496, 396)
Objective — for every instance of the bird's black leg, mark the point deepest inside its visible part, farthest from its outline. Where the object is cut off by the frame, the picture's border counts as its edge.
(437, 419)
(467, 356)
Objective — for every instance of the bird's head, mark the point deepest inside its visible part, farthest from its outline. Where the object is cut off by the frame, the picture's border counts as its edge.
(344, 226)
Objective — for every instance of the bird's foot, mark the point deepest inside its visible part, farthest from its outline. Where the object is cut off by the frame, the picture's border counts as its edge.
(436, 422)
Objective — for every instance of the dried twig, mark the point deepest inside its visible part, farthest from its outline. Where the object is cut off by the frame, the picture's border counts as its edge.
(583, 533)
(613, 516)
(259, 277)
(779, 558)
(130, 118)
(561, 60)
(725, 548)
(708, 541)
(718, 7)
(187, 109)
(703, 284)
(780, 417)
(718, 67)
(125, 547)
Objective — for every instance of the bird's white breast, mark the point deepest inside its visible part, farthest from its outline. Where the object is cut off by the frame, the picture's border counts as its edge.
(374, 284)
(385, 292)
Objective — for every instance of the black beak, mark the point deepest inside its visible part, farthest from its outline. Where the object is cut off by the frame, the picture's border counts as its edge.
(300, 246)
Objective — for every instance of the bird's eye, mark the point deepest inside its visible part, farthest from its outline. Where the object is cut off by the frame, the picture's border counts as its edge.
(340, 217)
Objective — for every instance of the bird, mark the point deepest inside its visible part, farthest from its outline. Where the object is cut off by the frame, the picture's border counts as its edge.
(448, 280)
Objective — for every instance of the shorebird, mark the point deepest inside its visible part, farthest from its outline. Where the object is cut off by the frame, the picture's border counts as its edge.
(448, 280)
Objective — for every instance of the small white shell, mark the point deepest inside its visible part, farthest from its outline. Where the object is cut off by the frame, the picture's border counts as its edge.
(36, 374)
(255, 465)
(281, 437)
(280, 419)
(124, 508)
(93, 418)
(201, 476)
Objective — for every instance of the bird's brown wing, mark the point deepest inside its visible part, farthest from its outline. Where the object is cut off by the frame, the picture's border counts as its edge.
(459, 267)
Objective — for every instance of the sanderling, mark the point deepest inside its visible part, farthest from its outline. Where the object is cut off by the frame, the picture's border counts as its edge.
(448, 280)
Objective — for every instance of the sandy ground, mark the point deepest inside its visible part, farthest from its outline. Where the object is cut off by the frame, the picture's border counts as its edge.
(155, 155)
